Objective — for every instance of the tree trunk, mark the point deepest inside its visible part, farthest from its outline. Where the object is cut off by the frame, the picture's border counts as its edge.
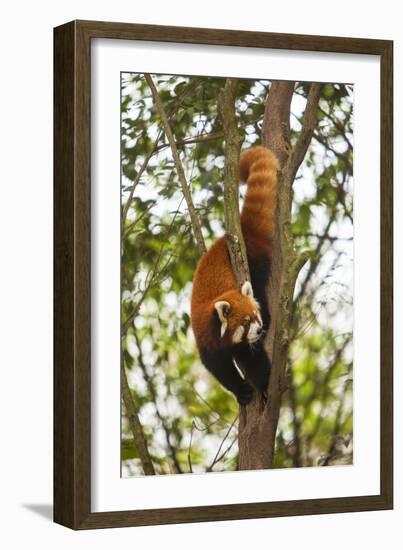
(258, 420)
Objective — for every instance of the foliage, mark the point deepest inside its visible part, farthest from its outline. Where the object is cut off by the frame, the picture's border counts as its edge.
(189, 420)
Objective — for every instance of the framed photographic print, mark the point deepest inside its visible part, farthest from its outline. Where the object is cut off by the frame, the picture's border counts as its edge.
(223, 275)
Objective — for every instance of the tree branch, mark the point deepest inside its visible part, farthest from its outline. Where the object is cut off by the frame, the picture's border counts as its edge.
(179, 167)
(305, 136)
(233, 232)
(135, 425)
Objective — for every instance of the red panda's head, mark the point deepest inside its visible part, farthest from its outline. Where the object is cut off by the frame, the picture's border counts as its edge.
(239, 316)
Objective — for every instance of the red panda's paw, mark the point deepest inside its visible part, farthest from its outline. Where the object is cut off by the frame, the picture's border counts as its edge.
(244, 393)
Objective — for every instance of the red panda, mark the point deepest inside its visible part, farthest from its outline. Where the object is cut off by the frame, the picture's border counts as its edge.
(229, 323)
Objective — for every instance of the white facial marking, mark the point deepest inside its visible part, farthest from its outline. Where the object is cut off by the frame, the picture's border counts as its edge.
(237, 336)
(254, 331)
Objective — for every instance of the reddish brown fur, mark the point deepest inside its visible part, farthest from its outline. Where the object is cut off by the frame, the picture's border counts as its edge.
(214, 279)
(258, 168)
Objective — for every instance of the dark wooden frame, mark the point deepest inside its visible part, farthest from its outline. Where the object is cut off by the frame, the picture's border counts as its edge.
(72, 320)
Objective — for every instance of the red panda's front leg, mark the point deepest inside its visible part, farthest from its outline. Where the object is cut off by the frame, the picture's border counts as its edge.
(255, 363)
(221, 365)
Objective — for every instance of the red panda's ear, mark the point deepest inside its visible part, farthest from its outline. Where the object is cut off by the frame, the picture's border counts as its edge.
(247, 289)
(222, 308)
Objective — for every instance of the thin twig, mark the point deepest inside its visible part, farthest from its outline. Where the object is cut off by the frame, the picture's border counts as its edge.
(227, 450)
(338, 126)
(315, 256)
(137, 179)
(154, 276)
(151, 388)
(190, 448)
(220, 418)
(324, 385)
(214, 462)
(131, 226)
(343, 156)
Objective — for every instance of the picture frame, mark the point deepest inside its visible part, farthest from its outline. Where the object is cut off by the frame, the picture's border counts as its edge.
(72, 273)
